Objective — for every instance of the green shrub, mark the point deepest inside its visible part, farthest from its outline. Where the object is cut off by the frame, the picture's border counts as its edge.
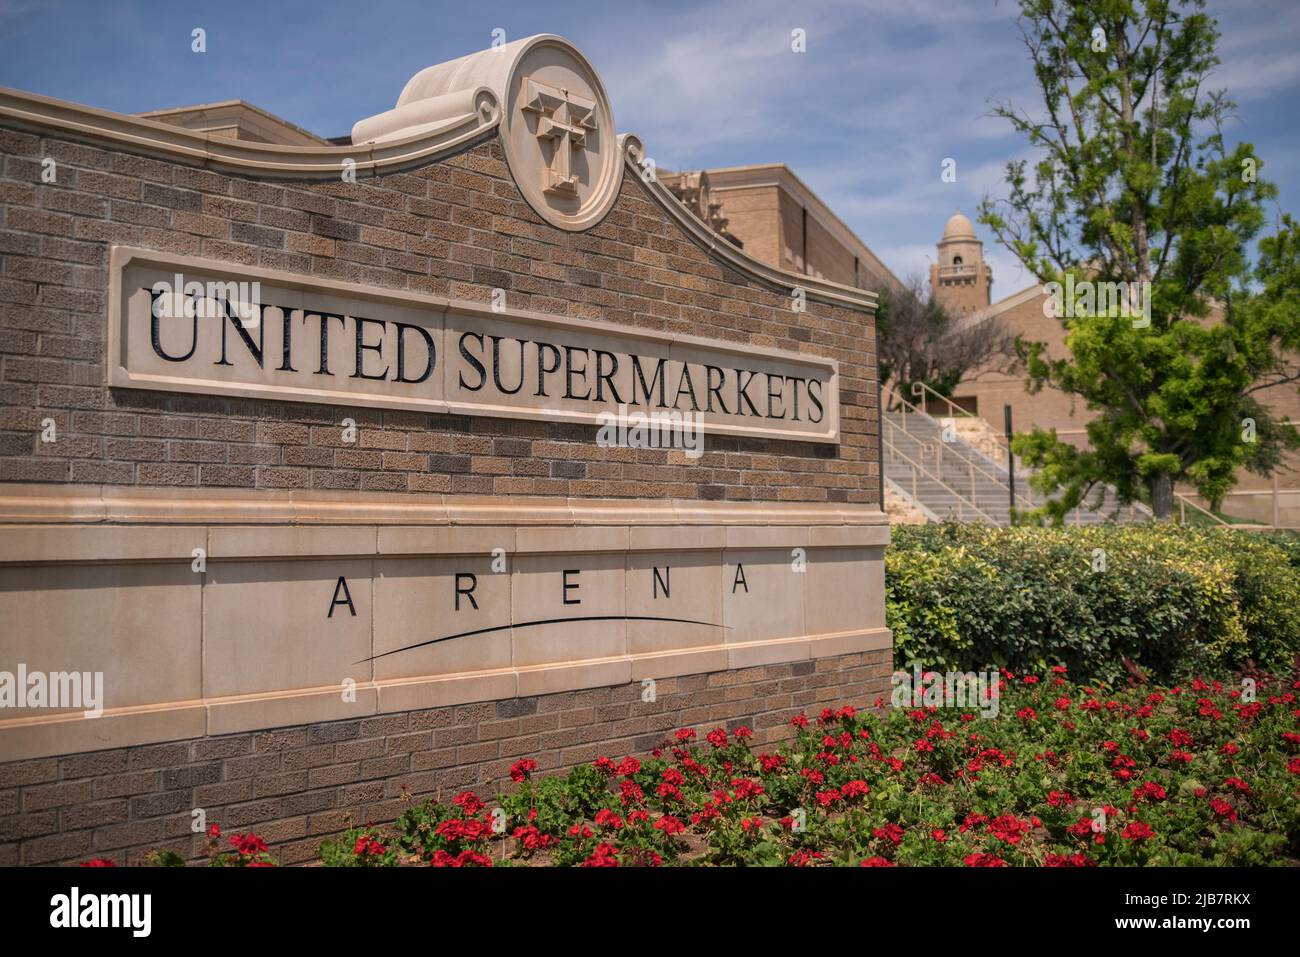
(359, 847)
(1171, 600)
(1289, 542)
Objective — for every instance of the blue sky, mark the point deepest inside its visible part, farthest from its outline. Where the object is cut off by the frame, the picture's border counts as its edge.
(886, 90)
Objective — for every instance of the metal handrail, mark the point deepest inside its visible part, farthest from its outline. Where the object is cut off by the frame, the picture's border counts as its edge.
(912, 500)
(918, 411)
(921, 390)
(1184, 501)
(968, 460)
(889, 443)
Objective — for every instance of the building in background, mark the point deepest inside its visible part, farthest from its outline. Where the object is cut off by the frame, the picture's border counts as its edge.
(777, 219)
(238, 121)
(766, 209)
(960, 278)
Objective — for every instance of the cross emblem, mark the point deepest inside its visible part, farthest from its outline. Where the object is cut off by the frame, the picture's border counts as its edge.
(563, 119)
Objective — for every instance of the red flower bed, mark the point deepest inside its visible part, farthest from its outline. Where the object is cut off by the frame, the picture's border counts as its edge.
(1065, 776)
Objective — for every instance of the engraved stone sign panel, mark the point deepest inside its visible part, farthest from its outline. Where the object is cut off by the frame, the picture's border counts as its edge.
(191, 325)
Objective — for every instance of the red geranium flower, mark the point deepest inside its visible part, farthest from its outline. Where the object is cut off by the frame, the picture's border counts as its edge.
(629, 767)
(669, 791)
(463, 859)
(1068, 860)
(1223, 809)
(1138, 831)
(804, 858)
(468, 802)
(669, 825)
(892, 833)
(1007, 828)
(771, 762)
(248, 844)
(1150, 790)
(1237, 784)
(521, 769)
(607, 818)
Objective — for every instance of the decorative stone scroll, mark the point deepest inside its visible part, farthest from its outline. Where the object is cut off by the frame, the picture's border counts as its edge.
(557, 126)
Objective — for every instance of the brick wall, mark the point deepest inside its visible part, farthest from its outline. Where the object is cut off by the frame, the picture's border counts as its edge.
(296, 786)
(458, 228)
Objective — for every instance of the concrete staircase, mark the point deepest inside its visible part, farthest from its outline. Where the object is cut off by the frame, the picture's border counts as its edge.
(945, 476)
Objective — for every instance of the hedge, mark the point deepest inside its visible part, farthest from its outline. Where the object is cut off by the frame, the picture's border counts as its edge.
(1171, 600)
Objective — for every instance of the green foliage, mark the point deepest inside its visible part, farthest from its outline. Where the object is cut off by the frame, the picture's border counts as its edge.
(359, 847)
(1170, 600)
(1063, 774)
(446, 836)
(164, 859)
(415, 827)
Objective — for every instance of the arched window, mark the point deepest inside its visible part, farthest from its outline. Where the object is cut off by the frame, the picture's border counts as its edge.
(956, 260)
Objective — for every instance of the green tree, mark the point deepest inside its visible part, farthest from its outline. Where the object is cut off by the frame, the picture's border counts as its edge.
(1136, 184)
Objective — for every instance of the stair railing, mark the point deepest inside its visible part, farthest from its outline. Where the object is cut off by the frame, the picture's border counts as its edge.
(911, 499)
(919, 470)
(1184, 502)
(950, 448)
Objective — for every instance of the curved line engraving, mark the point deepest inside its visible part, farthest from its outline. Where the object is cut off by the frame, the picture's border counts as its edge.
(543, 621)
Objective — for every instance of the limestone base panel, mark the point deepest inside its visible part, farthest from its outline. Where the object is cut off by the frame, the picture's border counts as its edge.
(208, 615)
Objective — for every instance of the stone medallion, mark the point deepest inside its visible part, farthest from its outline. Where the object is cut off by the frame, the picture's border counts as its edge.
(556, 124)
(558, 131)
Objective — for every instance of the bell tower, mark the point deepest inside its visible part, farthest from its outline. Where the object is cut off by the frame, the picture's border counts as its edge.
(962, 282)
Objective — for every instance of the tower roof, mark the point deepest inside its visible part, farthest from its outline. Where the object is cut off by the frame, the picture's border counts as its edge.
(958, 227)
